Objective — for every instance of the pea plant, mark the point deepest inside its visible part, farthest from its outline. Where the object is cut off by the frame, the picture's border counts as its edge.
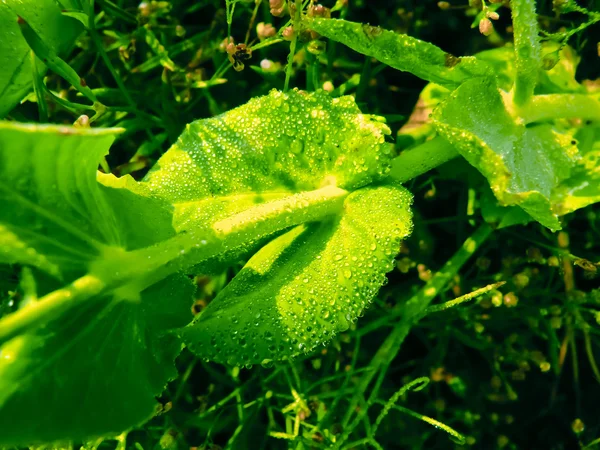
(302, 185)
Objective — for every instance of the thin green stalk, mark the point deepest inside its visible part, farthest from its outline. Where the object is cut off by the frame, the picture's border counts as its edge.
(365, 76)
(421, 159)
(288, 70)
(38, 88)
(413, 311)
(415, 385)
(54, 62)
(464, 298)
(528, 53)
(455, 436)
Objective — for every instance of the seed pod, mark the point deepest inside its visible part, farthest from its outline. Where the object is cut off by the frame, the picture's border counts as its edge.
(550, 60)
(485, 27)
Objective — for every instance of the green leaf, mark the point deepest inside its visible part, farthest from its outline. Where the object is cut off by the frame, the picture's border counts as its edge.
(281, 143)
(278, 160)
(271, 163)
(96, 352)
(307, 285)
(522, 164)
(229, 183)
(49, 193)
(401, 51)
(583, 187)
(95, 371)
(57, 31)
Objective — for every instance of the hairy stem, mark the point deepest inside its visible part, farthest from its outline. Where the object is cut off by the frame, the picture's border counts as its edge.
(421, 159)
(50, 306)
(528, 53)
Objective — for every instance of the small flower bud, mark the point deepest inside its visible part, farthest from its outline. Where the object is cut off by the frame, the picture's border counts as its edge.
(277, 7)
(265, 31)
(230, 48)
(316, 47)
(577, 426)
(485, 27)
(492, 15)
(319, 11)
(288, 33)
(82, 122)
(444, 5)
(225, 43)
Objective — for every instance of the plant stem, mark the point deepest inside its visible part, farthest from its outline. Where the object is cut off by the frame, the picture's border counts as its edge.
(421, 159)
(412, 312)
(38, 83)
(190, 247)
(528, 53)
(49, 306)
(563, 106)
(288, 70)
(149, 265)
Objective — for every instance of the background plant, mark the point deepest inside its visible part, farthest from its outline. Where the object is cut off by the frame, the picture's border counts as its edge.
(577, 312)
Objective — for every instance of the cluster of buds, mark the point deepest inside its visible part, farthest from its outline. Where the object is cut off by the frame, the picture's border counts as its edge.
(265, 31)
(277, 7)
(485, 25)
(153, 7)
(319, 11)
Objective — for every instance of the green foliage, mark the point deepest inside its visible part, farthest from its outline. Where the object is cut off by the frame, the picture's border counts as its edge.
(307, 285)
(523, 164)
(57, 218)
(228, 182)
(293, 203)
(16, 70)
(402, 52)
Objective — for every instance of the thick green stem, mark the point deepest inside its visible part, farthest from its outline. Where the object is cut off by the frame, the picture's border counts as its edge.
(50, 306)
(412, 312)
(120, 272)
(560, 106)
(528, 53)
(421, 159)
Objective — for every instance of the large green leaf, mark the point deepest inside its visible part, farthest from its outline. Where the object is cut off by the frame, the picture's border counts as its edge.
(401, 51)
(278, 160)
(522, 164)
(95, 371)
(228, 184)
(280, 143)
(97, 353)
(57, 31)
(280, 153)
(302, 288)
